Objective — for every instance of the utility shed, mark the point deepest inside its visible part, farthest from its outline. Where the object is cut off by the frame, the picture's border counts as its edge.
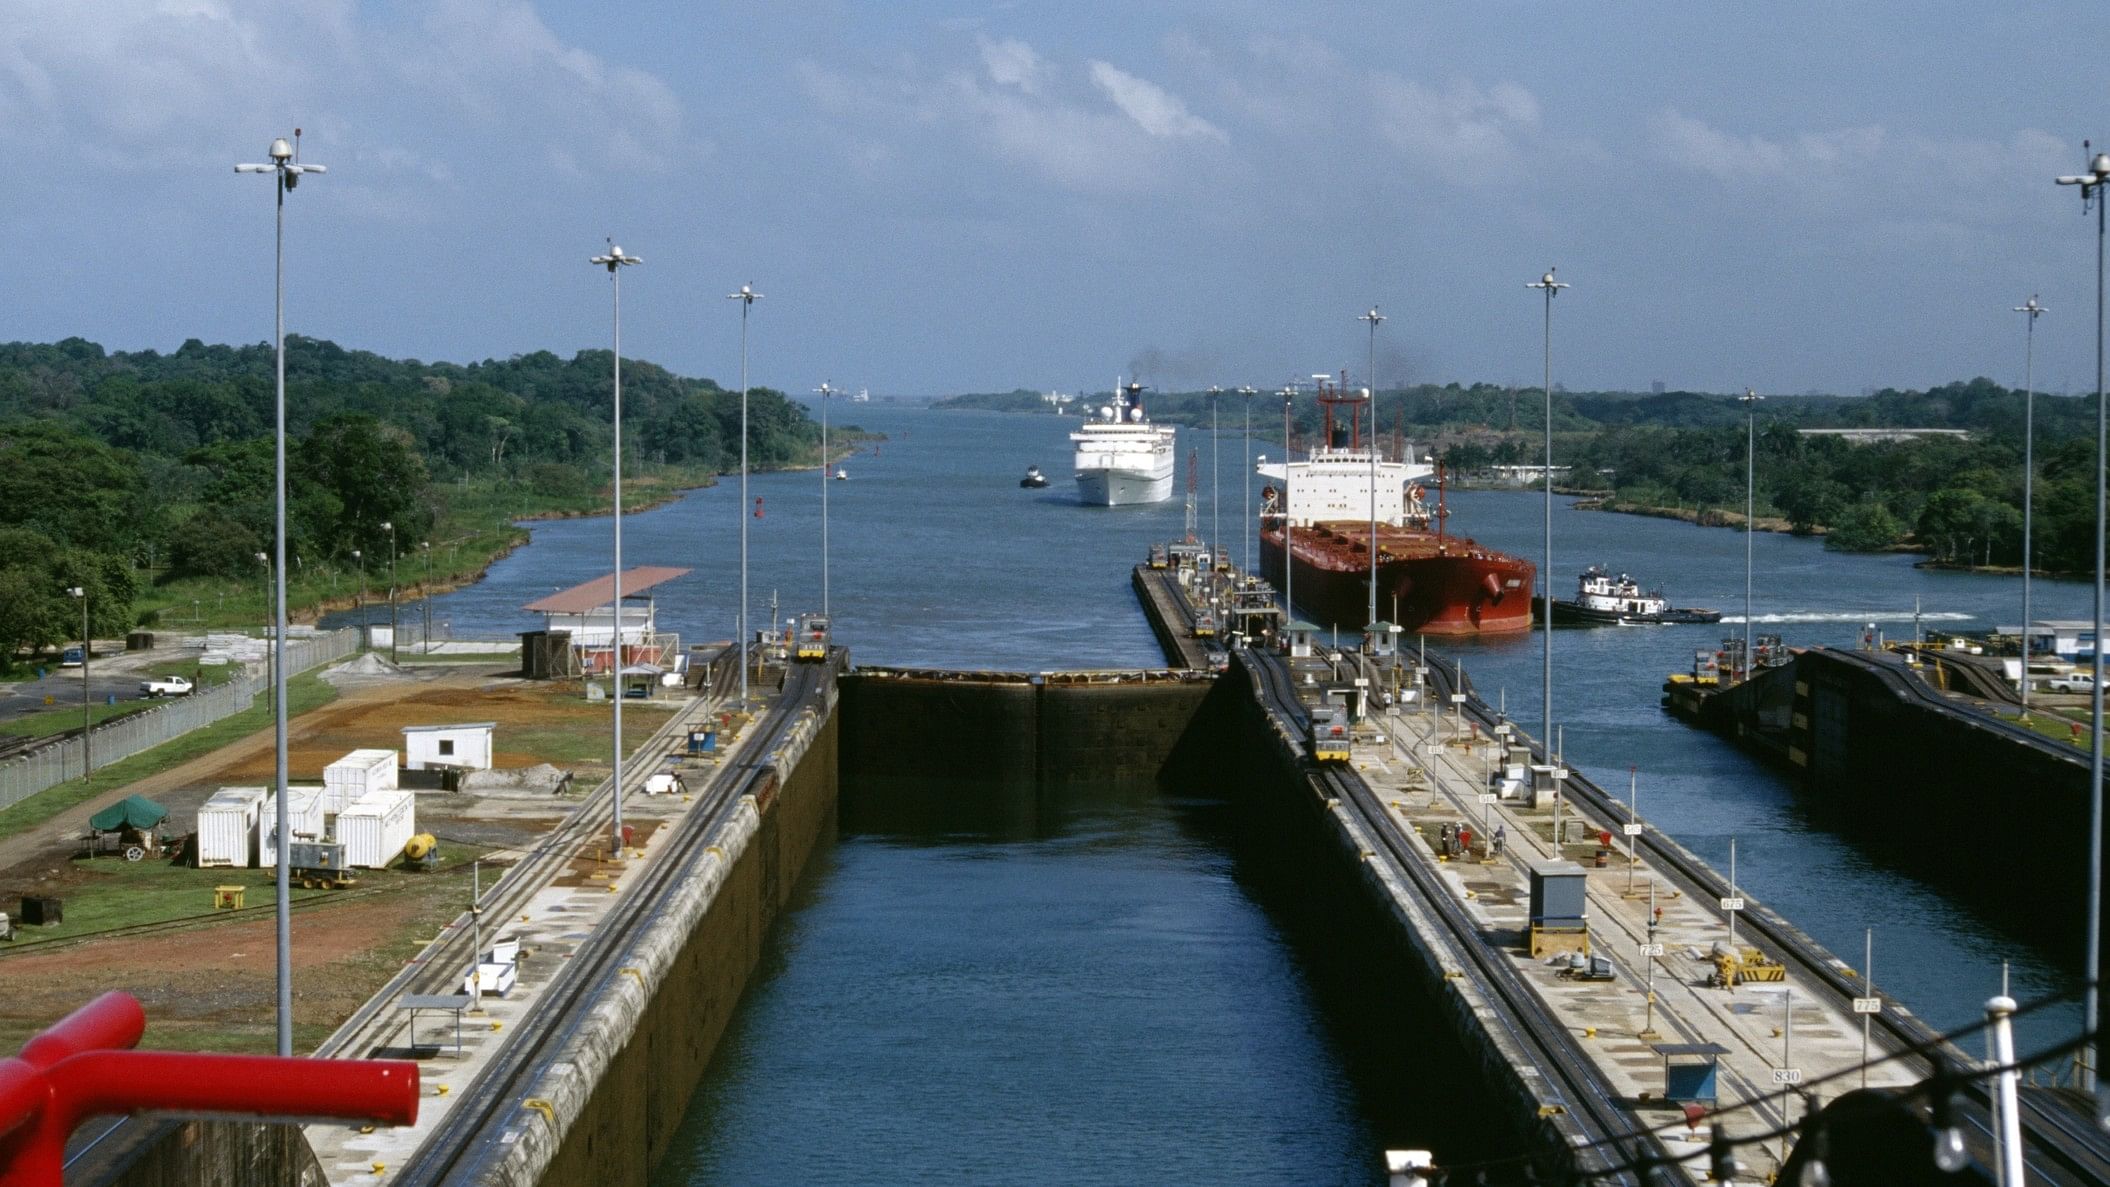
(303, 821)
(462, 747)
(227, 826)
(356, 775)
(375, 829)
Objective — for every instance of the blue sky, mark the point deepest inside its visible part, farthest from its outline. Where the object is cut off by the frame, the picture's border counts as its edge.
(953, 196)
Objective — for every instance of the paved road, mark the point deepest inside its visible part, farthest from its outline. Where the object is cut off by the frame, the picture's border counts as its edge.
(112, 671)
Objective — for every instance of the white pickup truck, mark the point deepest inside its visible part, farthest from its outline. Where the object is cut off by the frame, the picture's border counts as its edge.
(166, 686)
(2071, 682)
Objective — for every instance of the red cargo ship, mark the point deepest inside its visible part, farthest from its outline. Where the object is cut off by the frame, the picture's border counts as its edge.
(1431, 582)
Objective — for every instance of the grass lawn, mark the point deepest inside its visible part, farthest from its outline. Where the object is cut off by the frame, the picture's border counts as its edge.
(2059, 724)
(584, 741)
(304, 692)
(114, 892)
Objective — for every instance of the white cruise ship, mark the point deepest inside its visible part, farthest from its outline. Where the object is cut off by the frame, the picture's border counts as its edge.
(1122, 457)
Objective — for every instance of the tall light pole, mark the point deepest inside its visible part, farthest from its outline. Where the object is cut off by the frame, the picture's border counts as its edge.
(1552, 289)
(2029, 470)
(1370, 374)
(286, 170)
(1750, 401)
(1246, 513)
(359, 558)
(747, 296)
(425, 594)
(615, 260)
(824, 391)
(87, 758)
(1289, 571)
(1216, 540)
(2091, 184)
(389, 527)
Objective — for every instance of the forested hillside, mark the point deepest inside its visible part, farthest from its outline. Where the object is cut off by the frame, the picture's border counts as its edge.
(126, 471)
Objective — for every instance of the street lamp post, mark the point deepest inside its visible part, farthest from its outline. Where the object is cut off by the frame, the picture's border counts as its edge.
(747, 296)
(1289, 572)
(1246, 508)
(1750, 401)
(390, 528)
(2091, 184)
(615, 261)
(359, 558)
(1552, 289)
(425, 595)
(825, 391)
(1216, 539)
(87, 757)
(286, 170)
(1370, 375)
(2029, 470)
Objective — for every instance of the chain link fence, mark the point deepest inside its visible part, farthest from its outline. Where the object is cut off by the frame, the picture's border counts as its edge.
(30, 772)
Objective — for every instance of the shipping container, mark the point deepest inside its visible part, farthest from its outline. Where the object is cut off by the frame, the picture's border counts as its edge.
(352, 777)
(227, 826)
(303, 822)
(375, 829)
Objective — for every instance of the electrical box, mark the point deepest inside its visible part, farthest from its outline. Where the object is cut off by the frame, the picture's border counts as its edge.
(1559, 897)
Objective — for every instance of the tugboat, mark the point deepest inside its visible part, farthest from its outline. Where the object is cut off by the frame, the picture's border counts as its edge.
(1602, 600)
(1034, 479)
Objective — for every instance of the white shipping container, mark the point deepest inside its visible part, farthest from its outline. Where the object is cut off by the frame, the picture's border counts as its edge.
(227, 827)
(375, 829)
(355, 775)
(303, 822)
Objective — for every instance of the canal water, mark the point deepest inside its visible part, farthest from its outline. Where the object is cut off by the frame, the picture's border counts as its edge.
(1110, 985)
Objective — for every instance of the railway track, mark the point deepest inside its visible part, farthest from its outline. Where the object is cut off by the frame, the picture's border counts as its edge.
(467, 1144)
(2061, 1141)
(1601, 1124)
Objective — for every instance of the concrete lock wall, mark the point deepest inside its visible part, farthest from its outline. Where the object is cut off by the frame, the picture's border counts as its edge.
(1008, 730)
(642, 1093)
(1287, 820)
(185, 1153)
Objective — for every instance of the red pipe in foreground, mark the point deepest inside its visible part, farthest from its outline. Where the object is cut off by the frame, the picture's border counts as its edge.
(81, 1067)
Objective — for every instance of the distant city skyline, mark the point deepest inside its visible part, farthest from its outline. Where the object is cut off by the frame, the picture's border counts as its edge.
(940, 197)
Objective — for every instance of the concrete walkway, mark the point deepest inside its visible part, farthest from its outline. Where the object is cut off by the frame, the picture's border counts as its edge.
(1429, 775)
(560, 917)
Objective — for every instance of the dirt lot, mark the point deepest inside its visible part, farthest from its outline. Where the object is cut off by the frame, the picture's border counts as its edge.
(211, 986)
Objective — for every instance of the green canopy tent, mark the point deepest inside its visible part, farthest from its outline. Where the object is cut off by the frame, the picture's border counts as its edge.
(135, 812)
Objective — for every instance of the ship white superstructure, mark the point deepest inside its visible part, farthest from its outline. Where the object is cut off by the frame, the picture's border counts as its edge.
(1121, 457)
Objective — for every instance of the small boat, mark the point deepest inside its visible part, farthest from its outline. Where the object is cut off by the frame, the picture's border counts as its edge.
(1602, 599)
(841, 475)
(1034, 479)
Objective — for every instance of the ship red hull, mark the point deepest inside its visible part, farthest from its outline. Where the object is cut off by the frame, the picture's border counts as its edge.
(1440, 585)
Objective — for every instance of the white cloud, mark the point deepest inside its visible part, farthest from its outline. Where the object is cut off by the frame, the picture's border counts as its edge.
(1090, 130)
(1154, 109)
(191, 82)
(1836, 170)
(1463, 133)
(1012, 63)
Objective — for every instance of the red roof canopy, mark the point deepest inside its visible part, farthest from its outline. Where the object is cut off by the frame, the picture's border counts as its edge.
(601, 590)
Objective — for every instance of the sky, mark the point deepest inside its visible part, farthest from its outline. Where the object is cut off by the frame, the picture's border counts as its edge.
(941, 196)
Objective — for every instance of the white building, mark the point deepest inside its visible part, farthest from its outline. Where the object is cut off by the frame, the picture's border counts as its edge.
(2067, 638)
(463, 747)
